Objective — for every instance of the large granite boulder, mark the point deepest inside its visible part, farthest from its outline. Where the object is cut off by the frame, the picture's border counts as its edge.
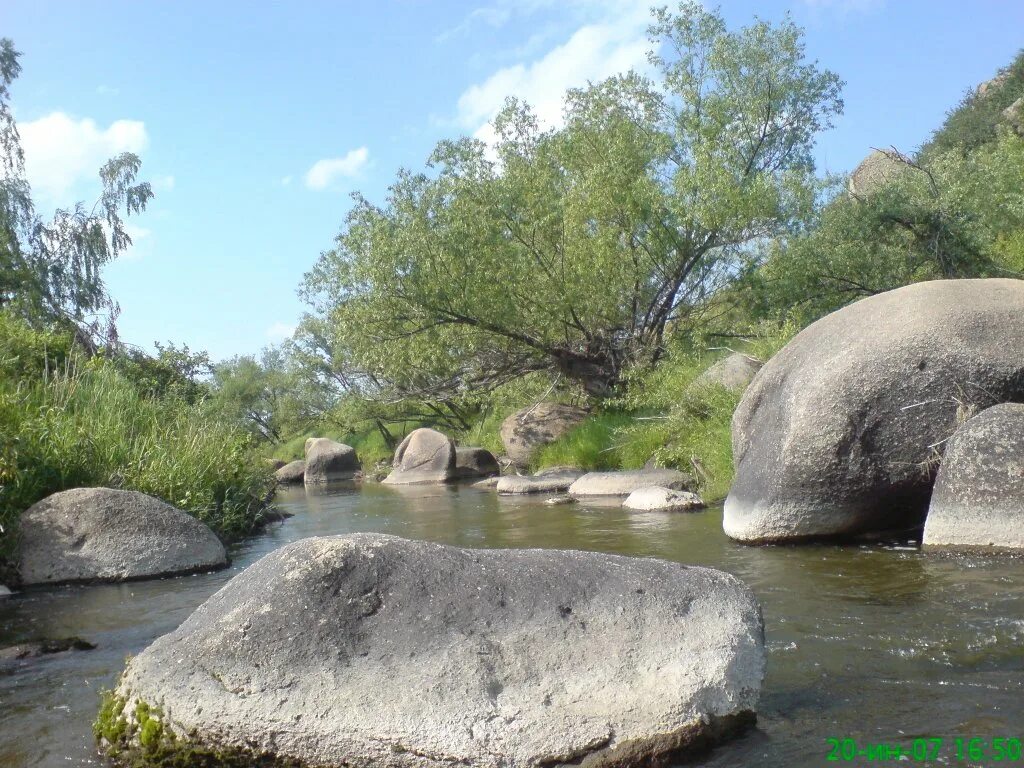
(876, 171)
(624, 482)
(292, 472)
(369, 650)
(425, 456)
(543, 482)
(839, 432)
(525, 431)
(978, 499)
(475, 462)
(102, 534)
(657, 498)
(328, 461)
(734, 372)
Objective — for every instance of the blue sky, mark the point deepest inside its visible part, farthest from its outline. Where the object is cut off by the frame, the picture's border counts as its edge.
(255, 121)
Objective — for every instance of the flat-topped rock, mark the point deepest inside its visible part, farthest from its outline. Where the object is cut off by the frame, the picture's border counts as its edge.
(425, 456)
(475, 462)
(102, 534)
(370, 650)
(624, 482)
(978, 498)
(328, 461)
(292, 472)
(661, 499)
(549, 482)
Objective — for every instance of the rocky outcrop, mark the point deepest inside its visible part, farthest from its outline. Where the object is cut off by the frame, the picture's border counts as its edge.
(525, 431)
(734, 372)
(661, 499)
(475, 462)
(875, 171)
(425, 456)
(328, 461)
(101, 534)
(1014, 116)
(543, 482)
(624, 482)
(293, 472)
(372, 650)
(838, 434)
(978, 499)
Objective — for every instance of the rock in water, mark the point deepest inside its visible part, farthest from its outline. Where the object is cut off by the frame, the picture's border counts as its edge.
(525, 431)
(543, 482)
(101, 534)
(978, 500)
(425, 456)
(661, 499)
(734, 372)
(293, 472)
(838, 433)
(329, 462)
(475, 462)
(371, 650)
(624, 482)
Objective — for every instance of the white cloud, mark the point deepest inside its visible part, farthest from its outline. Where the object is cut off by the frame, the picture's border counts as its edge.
(61, 152)
(279, 331)
(324, 172)
(489, 16)
(615, 43)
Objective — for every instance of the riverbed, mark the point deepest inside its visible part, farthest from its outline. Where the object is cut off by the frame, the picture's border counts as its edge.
(880, 643)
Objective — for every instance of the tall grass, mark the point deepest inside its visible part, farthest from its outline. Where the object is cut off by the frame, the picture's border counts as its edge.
(88, 425)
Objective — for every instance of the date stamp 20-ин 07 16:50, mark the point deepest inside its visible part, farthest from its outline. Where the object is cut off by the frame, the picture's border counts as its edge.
(969, 750)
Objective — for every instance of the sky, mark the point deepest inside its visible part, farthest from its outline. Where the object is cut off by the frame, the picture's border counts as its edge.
(256, 121)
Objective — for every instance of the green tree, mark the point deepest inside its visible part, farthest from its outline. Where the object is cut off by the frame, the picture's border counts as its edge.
(571, 250)
(50, 270)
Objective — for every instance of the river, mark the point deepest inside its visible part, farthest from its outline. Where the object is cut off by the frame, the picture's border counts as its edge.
(880, 643)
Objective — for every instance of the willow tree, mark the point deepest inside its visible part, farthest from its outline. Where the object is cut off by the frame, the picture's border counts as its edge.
(572, 249)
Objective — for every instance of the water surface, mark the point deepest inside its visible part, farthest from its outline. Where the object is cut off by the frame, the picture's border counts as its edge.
(879, 643)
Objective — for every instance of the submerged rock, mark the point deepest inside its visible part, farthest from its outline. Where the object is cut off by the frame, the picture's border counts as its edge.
(624, 482)
(328, 461)
(555, 501)
(526, 430)
(293, 472)
(661, 499)
(543, 482)
(32, 649)
(425, 456)
(839, 432)
(978, 500)
(101, 534)
(475, 462)
(488, 482)
(373, 650)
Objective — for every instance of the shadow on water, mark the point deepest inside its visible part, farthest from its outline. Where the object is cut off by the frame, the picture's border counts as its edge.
(869, 641)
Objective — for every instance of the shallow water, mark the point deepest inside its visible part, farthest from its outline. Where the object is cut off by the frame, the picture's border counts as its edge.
(878, 643)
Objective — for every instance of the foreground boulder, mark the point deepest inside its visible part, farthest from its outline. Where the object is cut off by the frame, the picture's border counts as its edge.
(369, 650)
(525, 431)
(328, 461)
(836, 434)
(425, 456)
(978, 500)
(660, 499)
(475, 462)
(293, 472)
(101, 534)
(734, 372)
(554, 481)
(624, 482)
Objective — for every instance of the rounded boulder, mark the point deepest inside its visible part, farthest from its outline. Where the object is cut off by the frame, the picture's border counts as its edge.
(526, 430)
(292, 472)
(425, 456)
(475, 462)
(374, 650)
(328, 461)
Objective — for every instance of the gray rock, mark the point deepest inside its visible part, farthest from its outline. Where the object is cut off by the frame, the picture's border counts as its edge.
(838, 434)
(525, 431)
(1014, 116)
(556, 501)
(990, 86)
(734, 372)
(293, 472)
(425, 456)
(488, 482)
(4, 591)
(978, 499)
(624, 482)
(876, 171)
(475, 462)
(329, 462)
(660, 499)
(373, 650)
(101, 534)
(33, 649)
(550, 482)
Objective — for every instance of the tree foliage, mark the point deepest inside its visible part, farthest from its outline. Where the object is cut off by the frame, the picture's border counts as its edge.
(571, 250)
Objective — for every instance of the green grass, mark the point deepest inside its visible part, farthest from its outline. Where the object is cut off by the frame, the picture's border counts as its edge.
(88, 425)
(594, 444)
